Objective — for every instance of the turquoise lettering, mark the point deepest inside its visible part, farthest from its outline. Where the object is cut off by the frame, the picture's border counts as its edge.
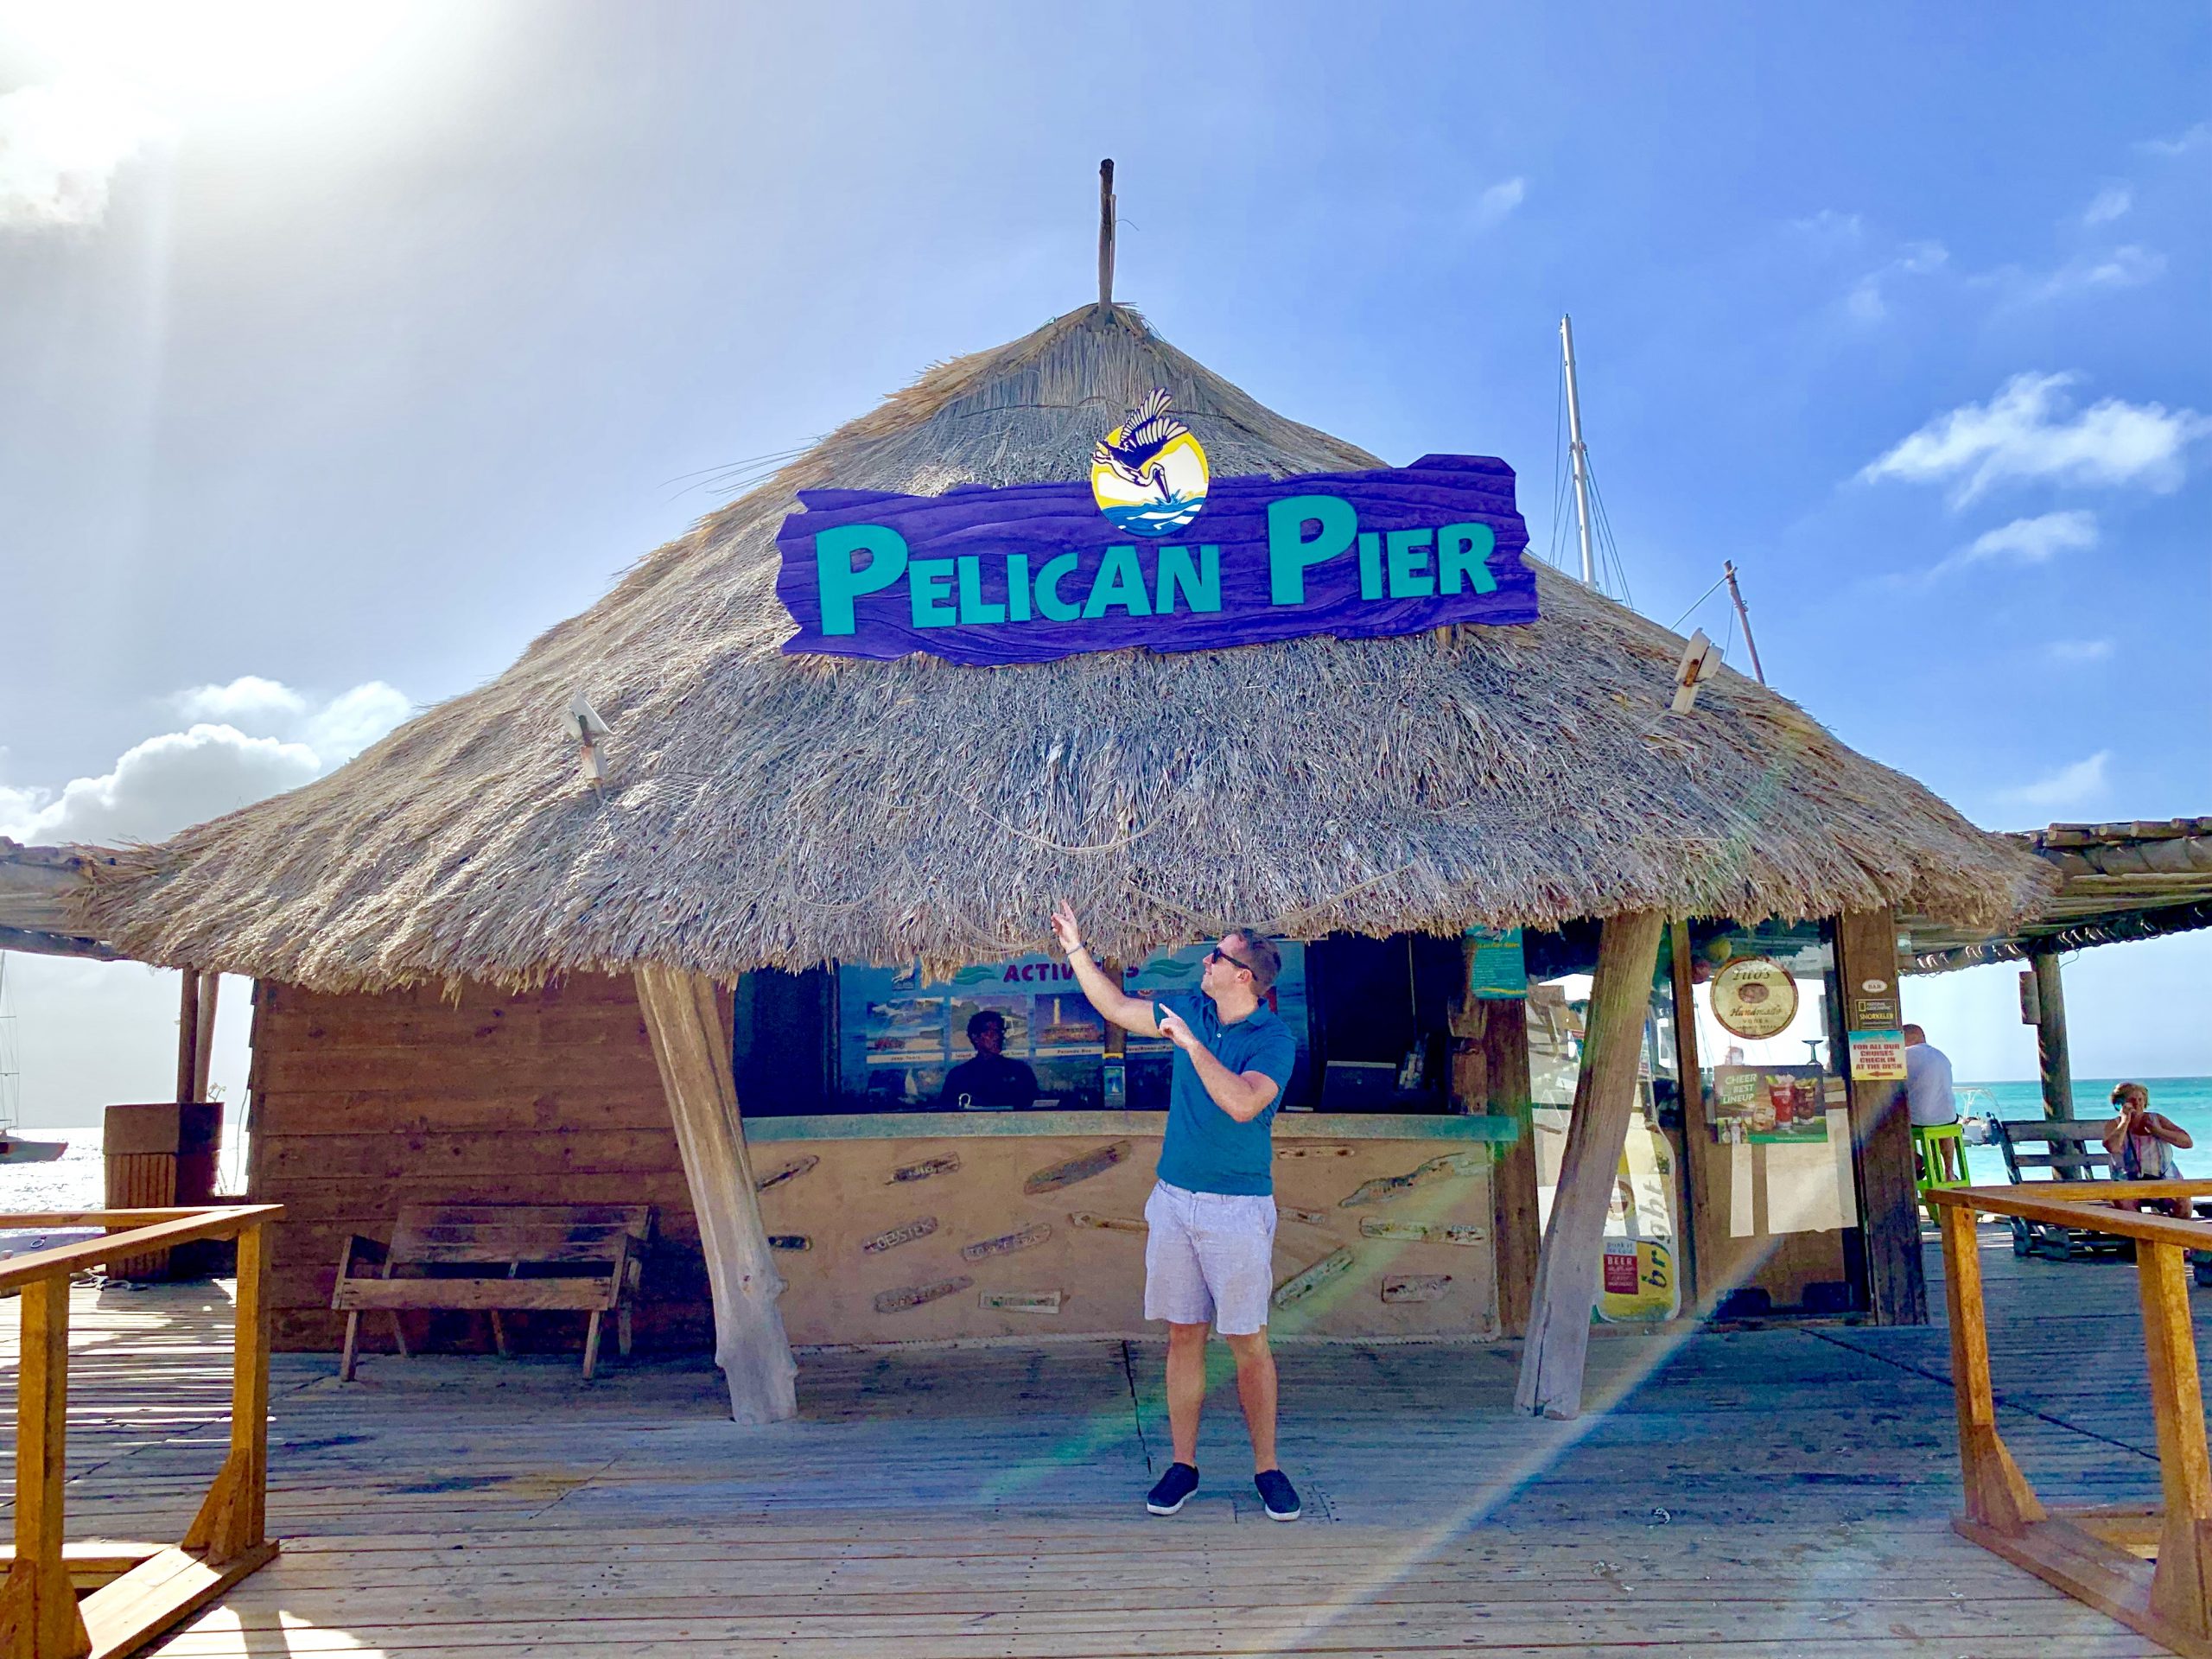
(1200, 584)
(1289, 554)
(1120, 581)
(972, 607)
(1017, 587)
(1050, 605)
(1370, 565)
(1408, 552)
(929, 594)
(1463, 550)
(840, 584)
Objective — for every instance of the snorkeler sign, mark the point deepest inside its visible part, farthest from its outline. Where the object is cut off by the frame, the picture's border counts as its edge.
(1154, 551)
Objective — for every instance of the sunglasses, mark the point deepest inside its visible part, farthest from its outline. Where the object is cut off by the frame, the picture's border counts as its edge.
(1219, 955)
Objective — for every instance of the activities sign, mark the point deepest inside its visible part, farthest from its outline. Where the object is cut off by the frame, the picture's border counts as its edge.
(1029, 573)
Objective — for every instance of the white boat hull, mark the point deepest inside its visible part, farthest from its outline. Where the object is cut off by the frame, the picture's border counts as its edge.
(15, 1150)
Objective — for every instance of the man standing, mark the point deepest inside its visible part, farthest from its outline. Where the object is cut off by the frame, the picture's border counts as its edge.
(1209, 1257)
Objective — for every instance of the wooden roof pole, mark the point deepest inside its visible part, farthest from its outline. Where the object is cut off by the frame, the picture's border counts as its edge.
(684, 1018)
(2055, 1064)
(1605, 1097)
(188, 1071)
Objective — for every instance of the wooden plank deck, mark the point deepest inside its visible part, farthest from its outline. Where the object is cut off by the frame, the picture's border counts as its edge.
(1752, 1494)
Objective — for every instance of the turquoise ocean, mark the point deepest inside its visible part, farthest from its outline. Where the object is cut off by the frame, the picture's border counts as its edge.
(2188, 1101)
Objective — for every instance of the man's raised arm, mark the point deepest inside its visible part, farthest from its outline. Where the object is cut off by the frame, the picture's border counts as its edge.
(1130, 1012)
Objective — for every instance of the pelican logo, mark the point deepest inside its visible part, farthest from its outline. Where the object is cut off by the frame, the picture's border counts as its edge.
(1149, 474)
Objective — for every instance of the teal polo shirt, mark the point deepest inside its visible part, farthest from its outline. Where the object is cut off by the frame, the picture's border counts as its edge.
(1205, 1150)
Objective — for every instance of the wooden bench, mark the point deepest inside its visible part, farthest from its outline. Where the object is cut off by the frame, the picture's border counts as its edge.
(2074, 1151)
(499, 1258)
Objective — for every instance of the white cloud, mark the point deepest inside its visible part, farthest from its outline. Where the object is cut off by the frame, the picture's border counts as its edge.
(59, 149)
(2028, 430)
(1830, 228)
(1868, 301)
(1492, 206)
(2069, 786)
(162, 784)
(2078, 651)
(2111, 202)
(2034, 541)
(245, 700)
(354, 720)
(2197, 137)
(275, 739)
(2105, 270)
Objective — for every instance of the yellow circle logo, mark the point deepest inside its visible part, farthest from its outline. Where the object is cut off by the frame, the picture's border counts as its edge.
(1149, 474)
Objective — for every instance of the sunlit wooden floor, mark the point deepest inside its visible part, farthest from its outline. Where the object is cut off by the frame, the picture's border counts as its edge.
(1758, 1493)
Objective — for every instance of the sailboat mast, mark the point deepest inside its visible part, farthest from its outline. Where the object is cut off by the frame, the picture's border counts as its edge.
(1581, 458)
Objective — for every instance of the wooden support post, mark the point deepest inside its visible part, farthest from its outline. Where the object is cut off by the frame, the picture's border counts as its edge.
(2183, 1582)
(233, 1520)
(203, 1040)
(188, 1036)
(1691, 1076)
(1881, 1129)
(38, 1604)
(1996, 1495)
(2057, 1067)
(1565, 1290)
(1489, 1074)
(682, 1014)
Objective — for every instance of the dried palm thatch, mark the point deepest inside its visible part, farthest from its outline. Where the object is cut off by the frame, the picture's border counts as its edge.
(765, 810)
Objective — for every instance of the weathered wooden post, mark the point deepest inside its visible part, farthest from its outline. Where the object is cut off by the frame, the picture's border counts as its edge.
(1881, 1127)
(1604, 1094)
(2051, 1057)
(683, 1017)
(1489, 1074)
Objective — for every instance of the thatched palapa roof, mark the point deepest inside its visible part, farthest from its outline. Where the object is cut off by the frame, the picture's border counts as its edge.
(769, 810)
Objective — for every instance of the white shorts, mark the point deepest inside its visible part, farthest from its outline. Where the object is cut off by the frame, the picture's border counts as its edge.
(1209, 1259)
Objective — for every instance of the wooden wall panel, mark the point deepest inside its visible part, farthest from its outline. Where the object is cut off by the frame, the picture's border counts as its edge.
(363, 1104)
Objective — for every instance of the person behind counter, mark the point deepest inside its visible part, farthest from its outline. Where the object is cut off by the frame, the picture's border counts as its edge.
(989, 1082)
(1209, 1254)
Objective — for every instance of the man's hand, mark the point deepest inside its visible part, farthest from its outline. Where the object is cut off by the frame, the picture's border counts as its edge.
(1066, 928)
(1176, 1031)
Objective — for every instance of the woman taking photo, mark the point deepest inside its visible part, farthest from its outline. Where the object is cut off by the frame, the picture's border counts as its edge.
(2142, 1143)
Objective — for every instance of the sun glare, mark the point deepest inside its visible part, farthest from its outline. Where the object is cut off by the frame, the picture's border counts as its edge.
(189, 58)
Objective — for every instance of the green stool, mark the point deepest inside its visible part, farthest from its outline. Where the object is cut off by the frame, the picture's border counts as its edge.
(1939, 1146)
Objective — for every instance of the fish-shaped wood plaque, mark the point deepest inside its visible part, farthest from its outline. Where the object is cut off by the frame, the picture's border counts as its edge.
(1302, 1284)
(790, 1242)
(924, 1170)
(1420, 1232)
(1007, 1244)
(1416, 1287)
(790, 1171)
(1308, 1217)
(1313, 1149)
(1384, 1188)
(1076, 1169)
(1110, 1223)
(1023, 1301)
(906, 1296)
(906, 1233)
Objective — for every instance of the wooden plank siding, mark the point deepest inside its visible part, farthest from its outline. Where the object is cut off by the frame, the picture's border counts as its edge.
(364, 1102)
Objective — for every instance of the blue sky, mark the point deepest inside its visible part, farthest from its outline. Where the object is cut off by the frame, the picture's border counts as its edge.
(338, 358)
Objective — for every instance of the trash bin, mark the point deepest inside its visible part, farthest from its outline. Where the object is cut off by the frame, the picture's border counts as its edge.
(160, 1155)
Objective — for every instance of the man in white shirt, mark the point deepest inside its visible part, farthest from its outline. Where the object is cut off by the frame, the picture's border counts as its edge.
(1928, 1081)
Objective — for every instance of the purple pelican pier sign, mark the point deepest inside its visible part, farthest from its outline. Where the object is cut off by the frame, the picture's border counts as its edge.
(1031, 572)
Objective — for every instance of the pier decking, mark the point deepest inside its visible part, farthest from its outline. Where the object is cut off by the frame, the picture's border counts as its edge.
(1749, 1493)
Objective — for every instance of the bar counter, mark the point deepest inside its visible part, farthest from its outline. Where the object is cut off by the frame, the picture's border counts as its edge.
(937, 1226)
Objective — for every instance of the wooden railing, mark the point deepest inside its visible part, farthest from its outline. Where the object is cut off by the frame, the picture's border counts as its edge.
(2092, 1554)
(148, 1587)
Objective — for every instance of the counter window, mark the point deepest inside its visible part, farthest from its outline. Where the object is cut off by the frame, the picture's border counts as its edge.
(1016, 1035)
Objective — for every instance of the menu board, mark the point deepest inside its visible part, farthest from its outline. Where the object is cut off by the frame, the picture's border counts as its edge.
(898, 1034)
(1769, 1104)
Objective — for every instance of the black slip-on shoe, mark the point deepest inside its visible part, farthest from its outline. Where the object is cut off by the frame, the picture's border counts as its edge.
(1279, 1494)
(1174, 1489)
